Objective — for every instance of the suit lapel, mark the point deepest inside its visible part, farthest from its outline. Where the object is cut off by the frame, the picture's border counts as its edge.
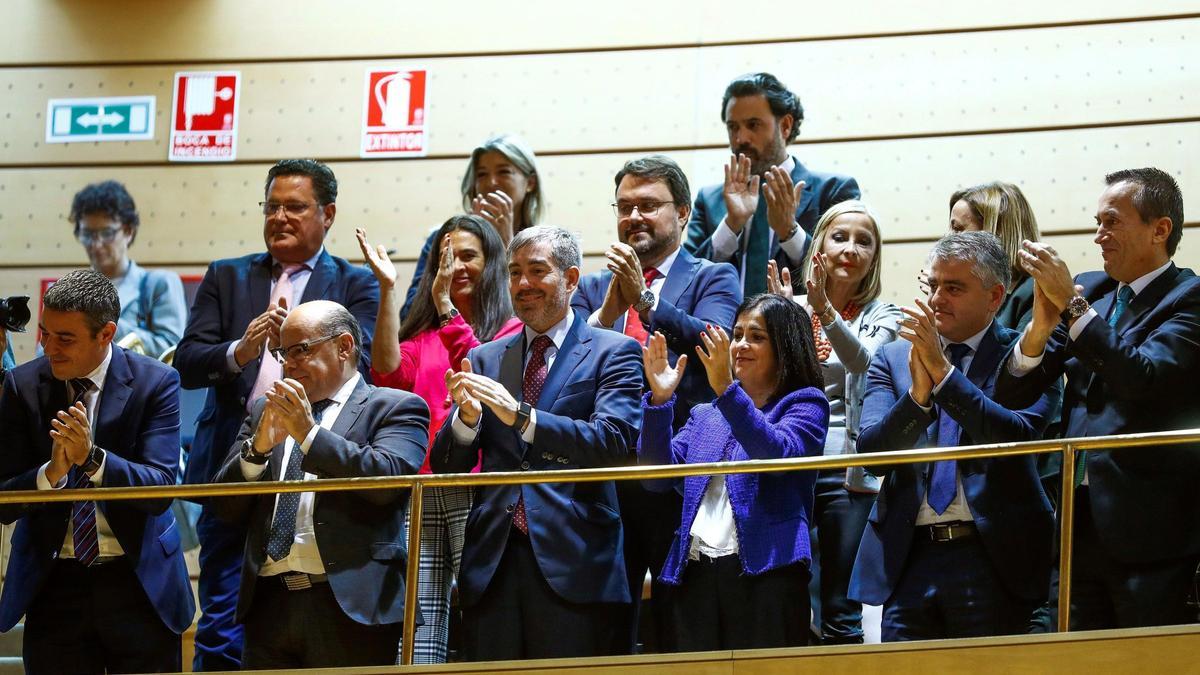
(1146, 300)
(511, 364)
(117, 389)
(799, 173)
(574, 348)
(321, 278)
(984, 364)
(353, 408)
(260, 285)
(52, 397)
(679, 277)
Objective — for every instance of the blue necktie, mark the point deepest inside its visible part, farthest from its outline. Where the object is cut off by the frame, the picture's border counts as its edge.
(942, 483)
(84, 537)
(283, 526)
(1124, 296)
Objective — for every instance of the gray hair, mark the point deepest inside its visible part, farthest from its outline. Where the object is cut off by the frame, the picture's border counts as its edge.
(989, 262)
(339, 320)
(564, 247)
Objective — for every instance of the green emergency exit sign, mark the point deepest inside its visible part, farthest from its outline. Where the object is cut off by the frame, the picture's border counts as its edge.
(119, 118)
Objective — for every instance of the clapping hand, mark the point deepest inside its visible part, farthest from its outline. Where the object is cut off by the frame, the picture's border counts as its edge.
(378, 260)
(1049, 271)
(919, 327)
(714, 355)
(292, 408)
(817, 298)
(663, 379)
(496, 208)
(740, 192)
(444, 277)
(469, 408)
(263, 331)
(782, 200)
(779, 281)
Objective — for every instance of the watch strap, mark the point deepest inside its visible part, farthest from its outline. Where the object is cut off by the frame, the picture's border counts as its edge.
(249, 455)
(524, 411)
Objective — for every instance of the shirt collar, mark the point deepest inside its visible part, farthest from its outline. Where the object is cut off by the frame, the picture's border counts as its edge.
(664, 267)
(98, 375)
(788, 164)
(310, 264)
(972, 342)
(1139, 284)
(557, 333)
(343, 393)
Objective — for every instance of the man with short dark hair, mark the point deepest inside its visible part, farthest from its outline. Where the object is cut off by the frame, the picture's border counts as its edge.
(652, 285)
(1126, 338)
(102, 585)
(542, 573)
(735, 222)
(235, 321)
(323, 577)
(954, 548)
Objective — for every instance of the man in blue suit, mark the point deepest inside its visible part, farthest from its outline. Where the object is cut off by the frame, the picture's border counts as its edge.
(542, 570)
(654, 285)
(1127, 339)
(735, 222)
(323, 573)
(954, 549)
(235, 320)
(102, 585)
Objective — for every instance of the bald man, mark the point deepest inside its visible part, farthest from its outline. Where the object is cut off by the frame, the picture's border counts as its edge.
(323, 577)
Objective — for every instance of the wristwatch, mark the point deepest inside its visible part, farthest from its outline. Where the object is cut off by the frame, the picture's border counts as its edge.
(1076, 307)
(446, 318)
(645, 301)
(524, 410)
(94, 460)
(791, 233)
(248, 453)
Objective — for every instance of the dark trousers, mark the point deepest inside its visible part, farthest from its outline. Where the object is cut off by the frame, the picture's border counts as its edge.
(218, 634)
(520, 617)
(718, 606)
(1107, 593)
(839, 517)
(951, 590)
(307, 629)
(94, 620)
(650, 520)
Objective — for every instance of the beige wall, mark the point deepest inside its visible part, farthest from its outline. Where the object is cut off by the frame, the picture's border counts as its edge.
(914, 99)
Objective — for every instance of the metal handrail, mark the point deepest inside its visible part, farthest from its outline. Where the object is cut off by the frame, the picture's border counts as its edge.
(1067, 447)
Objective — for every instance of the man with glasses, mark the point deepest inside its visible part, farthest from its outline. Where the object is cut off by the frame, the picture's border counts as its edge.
(652, 285)
(239, 309)
(769, 203)
(153, 308)
(322, 582)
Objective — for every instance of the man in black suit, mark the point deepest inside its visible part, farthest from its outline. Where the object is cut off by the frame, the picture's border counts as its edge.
(235, 319)
(323, 573)
(1128, 340)
(769, 203)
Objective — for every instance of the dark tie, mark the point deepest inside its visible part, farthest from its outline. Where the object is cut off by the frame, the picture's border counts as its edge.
(758, 250)
(283, 527)
(1124, 296)
(83, 514)
(531, 389)
(633, 321)
(942, 481)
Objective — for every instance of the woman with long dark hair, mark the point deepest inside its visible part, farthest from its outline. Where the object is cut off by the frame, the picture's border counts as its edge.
(740, 558)
(462, 301)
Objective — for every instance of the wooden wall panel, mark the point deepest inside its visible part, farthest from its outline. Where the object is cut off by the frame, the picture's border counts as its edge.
(145, 30)
(668, 98)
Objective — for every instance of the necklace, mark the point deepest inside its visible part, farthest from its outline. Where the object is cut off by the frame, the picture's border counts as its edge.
(824, 347)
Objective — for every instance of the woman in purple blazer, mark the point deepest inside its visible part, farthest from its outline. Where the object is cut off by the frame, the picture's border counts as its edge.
(740, 558)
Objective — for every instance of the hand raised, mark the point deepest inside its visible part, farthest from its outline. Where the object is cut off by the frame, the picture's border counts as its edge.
(663, 379)
(779, 282)
(469, 408)
(922, 384)
(377, 259)
(444, 277)
(496, 208)
(817, 299)
(782, 200)
(1049, 272)
(714, 355)
(920, 328)
(740, 192)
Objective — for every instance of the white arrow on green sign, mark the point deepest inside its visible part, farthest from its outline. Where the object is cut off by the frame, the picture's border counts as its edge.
(114, 118)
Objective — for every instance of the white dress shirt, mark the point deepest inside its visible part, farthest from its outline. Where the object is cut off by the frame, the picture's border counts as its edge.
(557, 334)
(713, 531)
(109, 546)
(958, 510)
(655, 287)
(726, 242)
(304, 556)
(299, 282)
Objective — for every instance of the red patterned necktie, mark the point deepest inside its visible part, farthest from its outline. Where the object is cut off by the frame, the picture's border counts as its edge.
(531, 388)
(633, 322)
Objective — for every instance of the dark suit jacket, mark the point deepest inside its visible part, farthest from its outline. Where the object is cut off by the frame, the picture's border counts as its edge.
(380, 432)
(233, 292)
(1017, 309)
(697, 292)
(821, 191)
(1139, 377)
(588, 415)
(1005, 496)
(138, 427)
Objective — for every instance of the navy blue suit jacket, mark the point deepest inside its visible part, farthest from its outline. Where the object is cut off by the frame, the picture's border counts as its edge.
(821, 191)
(1140, 376)
(588, 415)
(1005, 496)
(138, 427)
(233, 293)
(697, 292)
(360, 535)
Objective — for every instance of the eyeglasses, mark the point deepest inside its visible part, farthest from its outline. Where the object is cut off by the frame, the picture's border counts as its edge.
(647, 209)
(300, 350)
(88, 237)
(291, 208)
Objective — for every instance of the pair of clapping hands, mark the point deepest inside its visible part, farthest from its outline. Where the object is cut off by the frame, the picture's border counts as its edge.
(287, 412)
(741, 195)
(664, 379)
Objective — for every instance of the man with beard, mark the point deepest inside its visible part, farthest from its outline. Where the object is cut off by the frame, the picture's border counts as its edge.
(652, 285)
(542, 573)
(734, 222)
